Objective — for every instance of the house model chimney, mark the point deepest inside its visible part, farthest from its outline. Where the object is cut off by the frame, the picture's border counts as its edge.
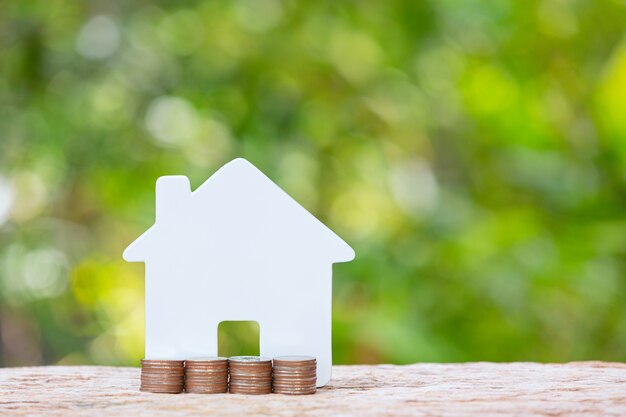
(172, 193)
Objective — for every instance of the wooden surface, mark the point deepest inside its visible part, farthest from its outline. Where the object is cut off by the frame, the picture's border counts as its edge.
(471, 389)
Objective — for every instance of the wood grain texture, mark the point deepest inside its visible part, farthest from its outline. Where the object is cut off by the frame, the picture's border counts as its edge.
(469, 389)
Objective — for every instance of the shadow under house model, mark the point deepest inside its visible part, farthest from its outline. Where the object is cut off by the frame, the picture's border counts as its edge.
(237, 248)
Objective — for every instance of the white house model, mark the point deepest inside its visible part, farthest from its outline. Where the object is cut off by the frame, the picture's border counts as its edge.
(237, 248)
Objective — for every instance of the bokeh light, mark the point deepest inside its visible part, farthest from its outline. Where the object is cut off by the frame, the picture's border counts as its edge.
(473, 154)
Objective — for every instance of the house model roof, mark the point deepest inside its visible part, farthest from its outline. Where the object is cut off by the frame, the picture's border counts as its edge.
(237, 208)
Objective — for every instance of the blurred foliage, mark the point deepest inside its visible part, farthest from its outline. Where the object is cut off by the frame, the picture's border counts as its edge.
(236, 338)
(472, 152)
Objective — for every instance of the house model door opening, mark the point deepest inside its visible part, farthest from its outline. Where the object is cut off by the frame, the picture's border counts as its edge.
(273, 258)
(238, 338)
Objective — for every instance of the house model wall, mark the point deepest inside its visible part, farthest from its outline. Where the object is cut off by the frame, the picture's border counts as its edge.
(237, 248)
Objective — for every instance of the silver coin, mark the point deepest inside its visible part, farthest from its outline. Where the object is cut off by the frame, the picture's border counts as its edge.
(238, 359)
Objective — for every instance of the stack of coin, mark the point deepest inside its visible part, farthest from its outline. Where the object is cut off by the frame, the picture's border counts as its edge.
(295, 375)
(250, 375)
(206, 375)
(162, 376)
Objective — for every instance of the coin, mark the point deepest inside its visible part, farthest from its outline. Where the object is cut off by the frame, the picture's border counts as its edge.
(162, 376)
(176, 362)
(248, 359)
(206, 375)
(250, 375)
(251, 391)
(207, 361)
(291, 391)
(295, 375)
(295, 360)
(294, 371)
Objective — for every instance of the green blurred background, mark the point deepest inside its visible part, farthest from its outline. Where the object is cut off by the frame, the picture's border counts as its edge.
(472, 152)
